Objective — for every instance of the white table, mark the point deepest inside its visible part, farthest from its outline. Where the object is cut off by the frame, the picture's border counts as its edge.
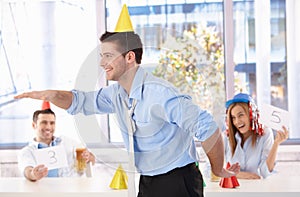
(99, 186)
(273, 186)
(57, 187)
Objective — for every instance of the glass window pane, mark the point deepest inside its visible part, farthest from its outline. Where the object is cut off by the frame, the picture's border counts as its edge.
(40, 47)
(245, 55)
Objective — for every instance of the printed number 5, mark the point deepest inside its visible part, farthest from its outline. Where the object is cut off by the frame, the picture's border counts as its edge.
(276, 117)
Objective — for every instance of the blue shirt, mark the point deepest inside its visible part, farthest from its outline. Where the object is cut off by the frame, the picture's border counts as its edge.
(166, 121)
(251, 159)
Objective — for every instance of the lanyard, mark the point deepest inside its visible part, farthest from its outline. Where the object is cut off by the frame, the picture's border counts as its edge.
(131, 129)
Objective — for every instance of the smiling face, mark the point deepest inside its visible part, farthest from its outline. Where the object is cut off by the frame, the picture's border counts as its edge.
(240, 119)
(112, 61)
(44, 127)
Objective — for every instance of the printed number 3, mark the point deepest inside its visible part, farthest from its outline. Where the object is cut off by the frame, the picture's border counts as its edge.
(52, 157)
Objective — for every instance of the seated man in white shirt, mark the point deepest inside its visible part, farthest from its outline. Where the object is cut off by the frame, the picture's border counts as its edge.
(44, 125)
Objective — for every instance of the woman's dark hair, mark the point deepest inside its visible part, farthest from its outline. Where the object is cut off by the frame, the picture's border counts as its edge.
(127, 41)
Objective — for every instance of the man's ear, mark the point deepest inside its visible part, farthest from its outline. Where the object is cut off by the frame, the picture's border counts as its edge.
(33, 125)
(130, 56)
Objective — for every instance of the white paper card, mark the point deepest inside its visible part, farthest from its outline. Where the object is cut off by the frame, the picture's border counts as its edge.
(52, 157)
(274, 117)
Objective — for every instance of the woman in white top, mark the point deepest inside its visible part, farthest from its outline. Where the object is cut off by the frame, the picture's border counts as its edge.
(248, 142)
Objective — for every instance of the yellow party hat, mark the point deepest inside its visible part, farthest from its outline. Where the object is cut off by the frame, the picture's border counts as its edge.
(124, 22)
(120, 179)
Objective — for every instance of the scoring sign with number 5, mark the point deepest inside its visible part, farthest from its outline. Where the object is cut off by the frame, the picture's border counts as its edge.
(274, 117)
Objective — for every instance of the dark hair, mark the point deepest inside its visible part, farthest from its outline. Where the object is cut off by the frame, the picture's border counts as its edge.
(38, 112)
(127, 41)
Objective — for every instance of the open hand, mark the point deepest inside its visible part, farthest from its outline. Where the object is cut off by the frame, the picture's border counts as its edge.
(40, 95)
(39, 172)
(281, 136)
(233, 170)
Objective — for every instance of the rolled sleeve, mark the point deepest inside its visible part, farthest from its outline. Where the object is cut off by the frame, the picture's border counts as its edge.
(94, 102)
(26, 158)
(267, 145)
(189, 116)
(72, 108)
(264, 170)
(206, 127)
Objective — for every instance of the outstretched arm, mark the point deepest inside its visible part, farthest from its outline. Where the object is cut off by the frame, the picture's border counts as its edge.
(214, 149)
(281, 136)
(60, 98)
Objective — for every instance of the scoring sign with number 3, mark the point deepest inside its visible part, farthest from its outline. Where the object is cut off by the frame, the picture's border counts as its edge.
(52, 157)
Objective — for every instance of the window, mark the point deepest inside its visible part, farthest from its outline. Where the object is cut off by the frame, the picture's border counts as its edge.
(266, 81)
(174, 17)
(40, 47)
(14, 77)
(43, 44)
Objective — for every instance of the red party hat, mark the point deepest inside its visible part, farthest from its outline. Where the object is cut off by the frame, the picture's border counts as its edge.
(45, 105)
(230, 182)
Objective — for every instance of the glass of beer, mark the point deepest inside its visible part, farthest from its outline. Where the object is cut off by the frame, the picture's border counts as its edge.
(80, 161)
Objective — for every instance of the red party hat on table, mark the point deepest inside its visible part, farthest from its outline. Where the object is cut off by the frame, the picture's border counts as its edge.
(45, 105)
(230, 182)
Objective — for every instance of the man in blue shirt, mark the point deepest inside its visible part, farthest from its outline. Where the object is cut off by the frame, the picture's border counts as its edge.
(165, 120)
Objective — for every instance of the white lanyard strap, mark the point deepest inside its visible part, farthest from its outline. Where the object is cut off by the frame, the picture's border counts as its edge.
(131, 164)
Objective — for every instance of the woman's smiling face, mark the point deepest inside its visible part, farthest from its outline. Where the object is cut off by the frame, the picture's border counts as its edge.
(240, 119)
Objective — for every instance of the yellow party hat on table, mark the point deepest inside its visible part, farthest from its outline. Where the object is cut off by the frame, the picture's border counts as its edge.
(120, 179)
(124, 23)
